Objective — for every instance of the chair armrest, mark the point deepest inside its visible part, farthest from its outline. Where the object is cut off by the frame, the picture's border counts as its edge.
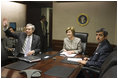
(97, 68)
(92, 69)
(12, 57)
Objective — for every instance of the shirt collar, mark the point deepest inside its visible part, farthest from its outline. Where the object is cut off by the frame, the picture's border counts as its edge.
(29, 36)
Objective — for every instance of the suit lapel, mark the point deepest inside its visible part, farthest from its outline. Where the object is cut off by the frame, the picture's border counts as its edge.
(33, 42)
(23, 39)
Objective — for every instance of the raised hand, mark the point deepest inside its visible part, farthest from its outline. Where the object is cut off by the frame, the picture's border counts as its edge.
(5, 22)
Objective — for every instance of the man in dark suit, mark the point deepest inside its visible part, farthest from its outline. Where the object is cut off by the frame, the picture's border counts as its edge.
(28, 43)
(41, 30)
(103, 50)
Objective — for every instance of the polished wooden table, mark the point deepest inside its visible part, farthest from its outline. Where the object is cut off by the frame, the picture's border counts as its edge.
(43, 65)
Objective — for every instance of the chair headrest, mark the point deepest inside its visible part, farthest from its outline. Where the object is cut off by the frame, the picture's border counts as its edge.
(82, 36)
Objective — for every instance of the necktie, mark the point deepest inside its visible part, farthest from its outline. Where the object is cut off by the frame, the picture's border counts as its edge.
(27, 46)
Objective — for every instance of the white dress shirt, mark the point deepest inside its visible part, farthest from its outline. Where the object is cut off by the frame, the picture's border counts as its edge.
(25, 43)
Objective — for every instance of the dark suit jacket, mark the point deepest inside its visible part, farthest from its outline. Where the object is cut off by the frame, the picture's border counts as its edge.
(39, 31)
(21, 39)
(100, 54)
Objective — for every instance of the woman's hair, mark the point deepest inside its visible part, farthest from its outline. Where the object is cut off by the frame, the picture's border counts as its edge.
(72, 29)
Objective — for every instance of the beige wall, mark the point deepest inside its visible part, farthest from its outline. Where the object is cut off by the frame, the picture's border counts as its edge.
(101, 14)
(14, 12)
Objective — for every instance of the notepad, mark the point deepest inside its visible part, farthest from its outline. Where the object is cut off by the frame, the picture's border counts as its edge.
(20, 65)
(74, 59)
(60, 71)
(69, 62)
(66, 54)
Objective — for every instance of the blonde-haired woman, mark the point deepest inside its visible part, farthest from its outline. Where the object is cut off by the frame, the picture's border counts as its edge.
(72, 44)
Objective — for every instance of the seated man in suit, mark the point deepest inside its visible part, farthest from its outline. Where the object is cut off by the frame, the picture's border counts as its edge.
(28, 43)
(103, 50)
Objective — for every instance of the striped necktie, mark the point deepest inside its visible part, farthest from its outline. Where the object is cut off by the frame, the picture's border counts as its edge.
(27, 46)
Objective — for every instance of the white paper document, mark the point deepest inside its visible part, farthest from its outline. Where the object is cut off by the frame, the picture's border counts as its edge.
(74, 59)
(68, 55)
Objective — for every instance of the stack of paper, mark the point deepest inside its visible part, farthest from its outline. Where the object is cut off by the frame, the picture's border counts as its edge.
(74, 59)
(68, 55)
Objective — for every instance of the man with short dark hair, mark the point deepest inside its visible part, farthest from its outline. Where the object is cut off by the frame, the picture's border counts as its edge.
(28, 43)
(102, 51)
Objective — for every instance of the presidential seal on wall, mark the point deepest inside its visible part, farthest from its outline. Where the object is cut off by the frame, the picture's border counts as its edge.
(82, 19)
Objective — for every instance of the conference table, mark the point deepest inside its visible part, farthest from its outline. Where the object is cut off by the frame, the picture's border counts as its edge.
(44, 65)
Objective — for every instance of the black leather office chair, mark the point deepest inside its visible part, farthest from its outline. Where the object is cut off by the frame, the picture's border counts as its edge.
(4, 56)
(84, 38)
(111, 72)
(110, 61)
